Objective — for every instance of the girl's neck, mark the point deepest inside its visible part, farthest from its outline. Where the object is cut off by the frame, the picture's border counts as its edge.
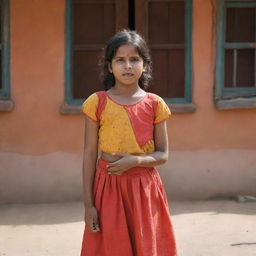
(126, 89)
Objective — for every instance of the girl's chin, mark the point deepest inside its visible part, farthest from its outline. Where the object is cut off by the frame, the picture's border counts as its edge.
(127, 83)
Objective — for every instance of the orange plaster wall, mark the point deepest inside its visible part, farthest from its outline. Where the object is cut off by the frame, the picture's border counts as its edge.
(213, 151)
(36, 127)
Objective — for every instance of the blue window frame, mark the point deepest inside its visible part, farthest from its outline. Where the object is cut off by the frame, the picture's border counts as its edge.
(236, 50)
(4, 50)
(188, 52)
(83, 49)
(187, 46)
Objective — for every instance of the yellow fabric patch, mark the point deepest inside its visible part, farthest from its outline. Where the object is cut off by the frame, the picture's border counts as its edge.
(90, 105)
(149, 147)
(163, 112)
(116, 134)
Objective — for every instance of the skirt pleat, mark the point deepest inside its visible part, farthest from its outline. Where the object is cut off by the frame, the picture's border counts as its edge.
(133, 213)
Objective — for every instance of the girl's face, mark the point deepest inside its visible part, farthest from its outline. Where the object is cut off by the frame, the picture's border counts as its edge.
(127, 65)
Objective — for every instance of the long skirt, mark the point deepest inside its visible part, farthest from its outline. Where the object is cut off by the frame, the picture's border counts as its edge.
(134, 217)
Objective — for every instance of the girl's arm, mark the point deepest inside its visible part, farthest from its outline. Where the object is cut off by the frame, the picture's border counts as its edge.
(89, 163)
(89, 159)
(159, 157)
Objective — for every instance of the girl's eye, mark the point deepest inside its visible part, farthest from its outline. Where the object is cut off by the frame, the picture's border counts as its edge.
(135, 59)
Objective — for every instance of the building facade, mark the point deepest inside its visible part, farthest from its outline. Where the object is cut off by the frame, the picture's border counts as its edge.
(204, 59)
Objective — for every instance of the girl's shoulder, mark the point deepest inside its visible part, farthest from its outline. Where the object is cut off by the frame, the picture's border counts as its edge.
(94, 105)
(91, 99)
(94, 97)
(156, 98)
(162, 110)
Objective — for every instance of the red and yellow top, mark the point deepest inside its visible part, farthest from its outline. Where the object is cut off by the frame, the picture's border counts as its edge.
(126, 128)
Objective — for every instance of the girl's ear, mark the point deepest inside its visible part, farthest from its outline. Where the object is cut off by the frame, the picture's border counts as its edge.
(109, 67)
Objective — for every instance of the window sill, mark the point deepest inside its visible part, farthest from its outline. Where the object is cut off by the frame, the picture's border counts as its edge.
(70, 109)
(175, 108)
(182, 107)
(239, 103)
(6, 105)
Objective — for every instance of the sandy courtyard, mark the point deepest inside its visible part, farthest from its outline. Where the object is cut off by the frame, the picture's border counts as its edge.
(202, 228)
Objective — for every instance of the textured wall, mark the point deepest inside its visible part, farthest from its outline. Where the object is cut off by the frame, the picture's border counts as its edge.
(212, 152)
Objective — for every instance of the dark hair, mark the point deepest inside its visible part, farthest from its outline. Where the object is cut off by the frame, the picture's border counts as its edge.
(122, 38)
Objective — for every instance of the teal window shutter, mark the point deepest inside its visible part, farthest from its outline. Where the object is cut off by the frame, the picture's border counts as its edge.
(4, 50)
(236, 50)
(170, 42)
(88, 26)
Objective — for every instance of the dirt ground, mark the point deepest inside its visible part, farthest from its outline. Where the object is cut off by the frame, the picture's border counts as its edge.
(202, 228)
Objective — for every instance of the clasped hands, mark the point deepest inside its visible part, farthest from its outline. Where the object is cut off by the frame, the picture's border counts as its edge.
(124, 163)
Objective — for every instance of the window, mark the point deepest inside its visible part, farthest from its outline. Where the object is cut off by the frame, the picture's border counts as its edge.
(89, 24)
(236, 53)
(165, 24)
(4, 50)
(169, 36)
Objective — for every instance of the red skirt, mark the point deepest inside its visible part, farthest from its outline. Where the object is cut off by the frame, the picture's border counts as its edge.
(133, 213)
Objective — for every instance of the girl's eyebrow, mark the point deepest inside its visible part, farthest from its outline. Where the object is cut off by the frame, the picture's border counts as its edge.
(117, 57)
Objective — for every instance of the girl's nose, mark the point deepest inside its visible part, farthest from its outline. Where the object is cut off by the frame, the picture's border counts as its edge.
(128, 64)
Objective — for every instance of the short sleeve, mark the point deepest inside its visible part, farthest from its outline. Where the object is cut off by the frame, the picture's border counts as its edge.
(90, 105)
(162, 112)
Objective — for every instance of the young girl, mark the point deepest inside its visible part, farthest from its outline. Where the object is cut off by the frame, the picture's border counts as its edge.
(126, 209)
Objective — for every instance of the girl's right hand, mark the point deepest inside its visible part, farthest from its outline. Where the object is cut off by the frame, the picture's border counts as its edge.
(91, 218)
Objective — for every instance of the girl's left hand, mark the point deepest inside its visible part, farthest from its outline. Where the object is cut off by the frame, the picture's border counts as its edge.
(126, 162)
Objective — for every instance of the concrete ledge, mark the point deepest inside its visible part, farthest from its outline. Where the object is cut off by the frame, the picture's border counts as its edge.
(175, 108)
(182, 108)
(6, 105)
(70, 109)
(239, 103)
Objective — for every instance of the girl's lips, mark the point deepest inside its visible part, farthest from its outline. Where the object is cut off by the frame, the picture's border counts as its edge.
(128, 74)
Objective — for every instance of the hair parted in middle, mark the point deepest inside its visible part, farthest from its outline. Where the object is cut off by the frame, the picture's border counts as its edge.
(125, 37)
